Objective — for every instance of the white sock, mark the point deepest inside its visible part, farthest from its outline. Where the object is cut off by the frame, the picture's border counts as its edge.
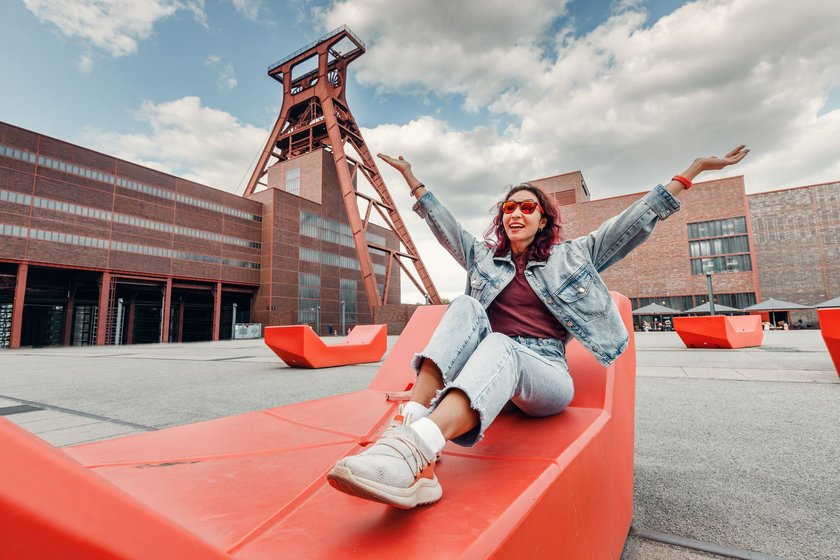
(415, 410)
(430, 434)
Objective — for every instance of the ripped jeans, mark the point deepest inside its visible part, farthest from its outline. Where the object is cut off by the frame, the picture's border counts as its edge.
(492, 368)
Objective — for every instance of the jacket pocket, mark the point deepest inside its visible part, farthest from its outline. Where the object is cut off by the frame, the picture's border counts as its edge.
(478, 282)
(585, 293)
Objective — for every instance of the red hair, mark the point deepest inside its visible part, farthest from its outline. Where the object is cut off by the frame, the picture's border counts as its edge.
(540, 248)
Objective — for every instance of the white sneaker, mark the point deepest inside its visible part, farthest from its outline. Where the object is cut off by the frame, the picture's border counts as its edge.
(398, 470)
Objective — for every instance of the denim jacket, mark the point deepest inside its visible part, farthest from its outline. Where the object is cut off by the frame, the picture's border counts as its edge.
(568, 282)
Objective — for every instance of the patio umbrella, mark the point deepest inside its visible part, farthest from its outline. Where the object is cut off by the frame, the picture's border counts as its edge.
(771, 304)
(704, 309)
(835, 302)
(655, 309)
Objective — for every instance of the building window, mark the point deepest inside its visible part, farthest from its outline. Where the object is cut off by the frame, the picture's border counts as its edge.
(719, 246)
(309, 298)
(293, 180)
(348, 296)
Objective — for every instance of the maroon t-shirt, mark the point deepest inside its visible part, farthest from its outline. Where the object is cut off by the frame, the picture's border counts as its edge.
(518, 311)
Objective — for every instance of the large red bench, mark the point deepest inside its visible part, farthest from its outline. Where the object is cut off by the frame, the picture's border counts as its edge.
(720, 331)
(254, 485)
(830, 330)
(299, 346)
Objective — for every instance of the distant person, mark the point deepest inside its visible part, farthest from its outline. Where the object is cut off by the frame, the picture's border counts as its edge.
(529, 293)
(801, 325)
(785, 326)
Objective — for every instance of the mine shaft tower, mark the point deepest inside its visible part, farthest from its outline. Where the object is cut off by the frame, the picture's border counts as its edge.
(315, 115)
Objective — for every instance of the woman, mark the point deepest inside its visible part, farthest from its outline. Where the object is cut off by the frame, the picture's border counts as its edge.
(529, 293)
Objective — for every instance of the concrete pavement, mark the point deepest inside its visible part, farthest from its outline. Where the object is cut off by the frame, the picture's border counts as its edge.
(736, 450)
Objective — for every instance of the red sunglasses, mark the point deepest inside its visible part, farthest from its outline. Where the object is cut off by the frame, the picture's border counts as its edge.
(527, 206)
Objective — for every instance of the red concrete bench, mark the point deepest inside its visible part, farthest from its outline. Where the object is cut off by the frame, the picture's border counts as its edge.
(720, 331)
(254, 485)
(830, 330)
(299, 346)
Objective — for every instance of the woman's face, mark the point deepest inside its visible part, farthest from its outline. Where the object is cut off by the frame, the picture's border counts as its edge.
(521, 228)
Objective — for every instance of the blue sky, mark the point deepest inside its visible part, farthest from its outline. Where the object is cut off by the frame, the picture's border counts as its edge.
(477, 94)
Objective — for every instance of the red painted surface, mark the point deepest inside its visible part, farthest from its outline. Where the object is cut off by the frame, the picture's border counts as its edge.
(720, 331)
(299, 346)
(254, 486)
(50, 507)
(18, 304)
(830, 330)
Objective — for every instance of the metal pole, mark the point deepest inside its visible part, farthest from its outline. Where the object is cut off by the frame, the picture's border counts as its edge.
(711, 294)
(342, 319)
(233, 324)
(318, 319)
(118, 331)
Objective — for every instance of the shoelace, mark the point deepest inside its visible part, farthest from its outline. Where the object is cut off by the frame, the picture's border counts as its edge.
(417, 456)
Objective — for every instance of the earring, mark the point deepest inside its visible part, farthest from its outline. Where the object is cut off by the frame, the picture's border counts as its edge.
(540, 228)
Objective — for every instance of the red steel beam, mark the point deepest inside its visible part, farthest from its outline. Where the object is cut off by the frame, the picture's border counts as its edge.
(17, 306)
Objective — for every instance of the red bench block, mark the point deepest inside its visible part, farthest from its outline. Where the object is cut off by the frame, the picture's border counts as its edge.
(830, 330)
(720, 331)
(299, 346)
(254, 485)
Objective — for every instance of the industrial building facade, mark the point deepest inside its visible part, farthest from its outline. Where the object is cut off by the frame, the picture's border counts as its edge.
(97, 250)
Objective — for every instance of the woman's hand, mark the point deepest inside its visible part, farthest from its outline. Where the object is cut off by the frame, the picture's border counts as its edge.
(715, 163)
(400, 163)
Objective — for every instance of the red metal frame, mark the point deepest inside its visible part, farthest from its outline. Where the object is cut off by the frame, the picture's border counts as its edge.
(17, 306)
(315, 115)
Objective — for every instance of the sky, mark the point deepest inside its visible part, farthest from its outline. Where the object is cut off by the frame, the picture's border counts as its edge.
(477, 94)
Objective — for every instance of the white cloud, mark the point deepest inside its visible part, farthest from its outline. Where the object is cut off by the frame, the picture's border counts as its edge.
(198, 143)
(250, 9)
(115, 26)
(226, 78)
(85, 63)
(474, 49)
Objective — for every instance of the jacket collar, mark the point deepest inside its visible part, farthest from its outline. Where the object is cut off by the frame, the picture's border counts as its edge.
(507, 258)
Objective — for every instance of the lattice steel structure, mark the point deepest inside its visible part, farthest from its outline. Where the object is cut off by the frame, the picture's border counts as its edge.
(315, 115)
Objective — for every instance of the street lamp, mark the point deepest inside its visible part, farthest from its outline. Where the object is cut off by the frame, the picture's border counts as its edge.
(708, 267)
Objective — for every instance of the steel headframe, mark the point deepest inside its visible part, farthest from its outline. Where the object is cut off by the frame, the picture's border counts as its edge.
(315, 115)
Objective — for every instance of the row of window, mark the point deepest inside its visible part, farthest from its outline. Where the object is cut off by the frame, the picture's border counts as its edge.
(682, 303)
(717, 228)
(96, 213)
(728, 263)
(319, 227)
(103, 177)
(719, 246)
(97, 243)
(331, 259)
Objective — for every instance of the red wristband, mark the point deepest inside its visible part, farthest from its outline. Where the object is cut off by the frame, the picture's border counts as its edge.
(685, 182)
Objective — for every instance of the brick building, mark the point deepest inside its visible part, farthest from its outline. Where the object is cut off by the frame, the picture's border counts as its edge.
(97, 250)
(797, 239)
(781, 244)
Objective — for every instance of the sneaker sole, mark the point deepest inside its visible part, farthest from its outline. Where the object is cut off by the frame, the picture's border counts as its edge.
(423, 491)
